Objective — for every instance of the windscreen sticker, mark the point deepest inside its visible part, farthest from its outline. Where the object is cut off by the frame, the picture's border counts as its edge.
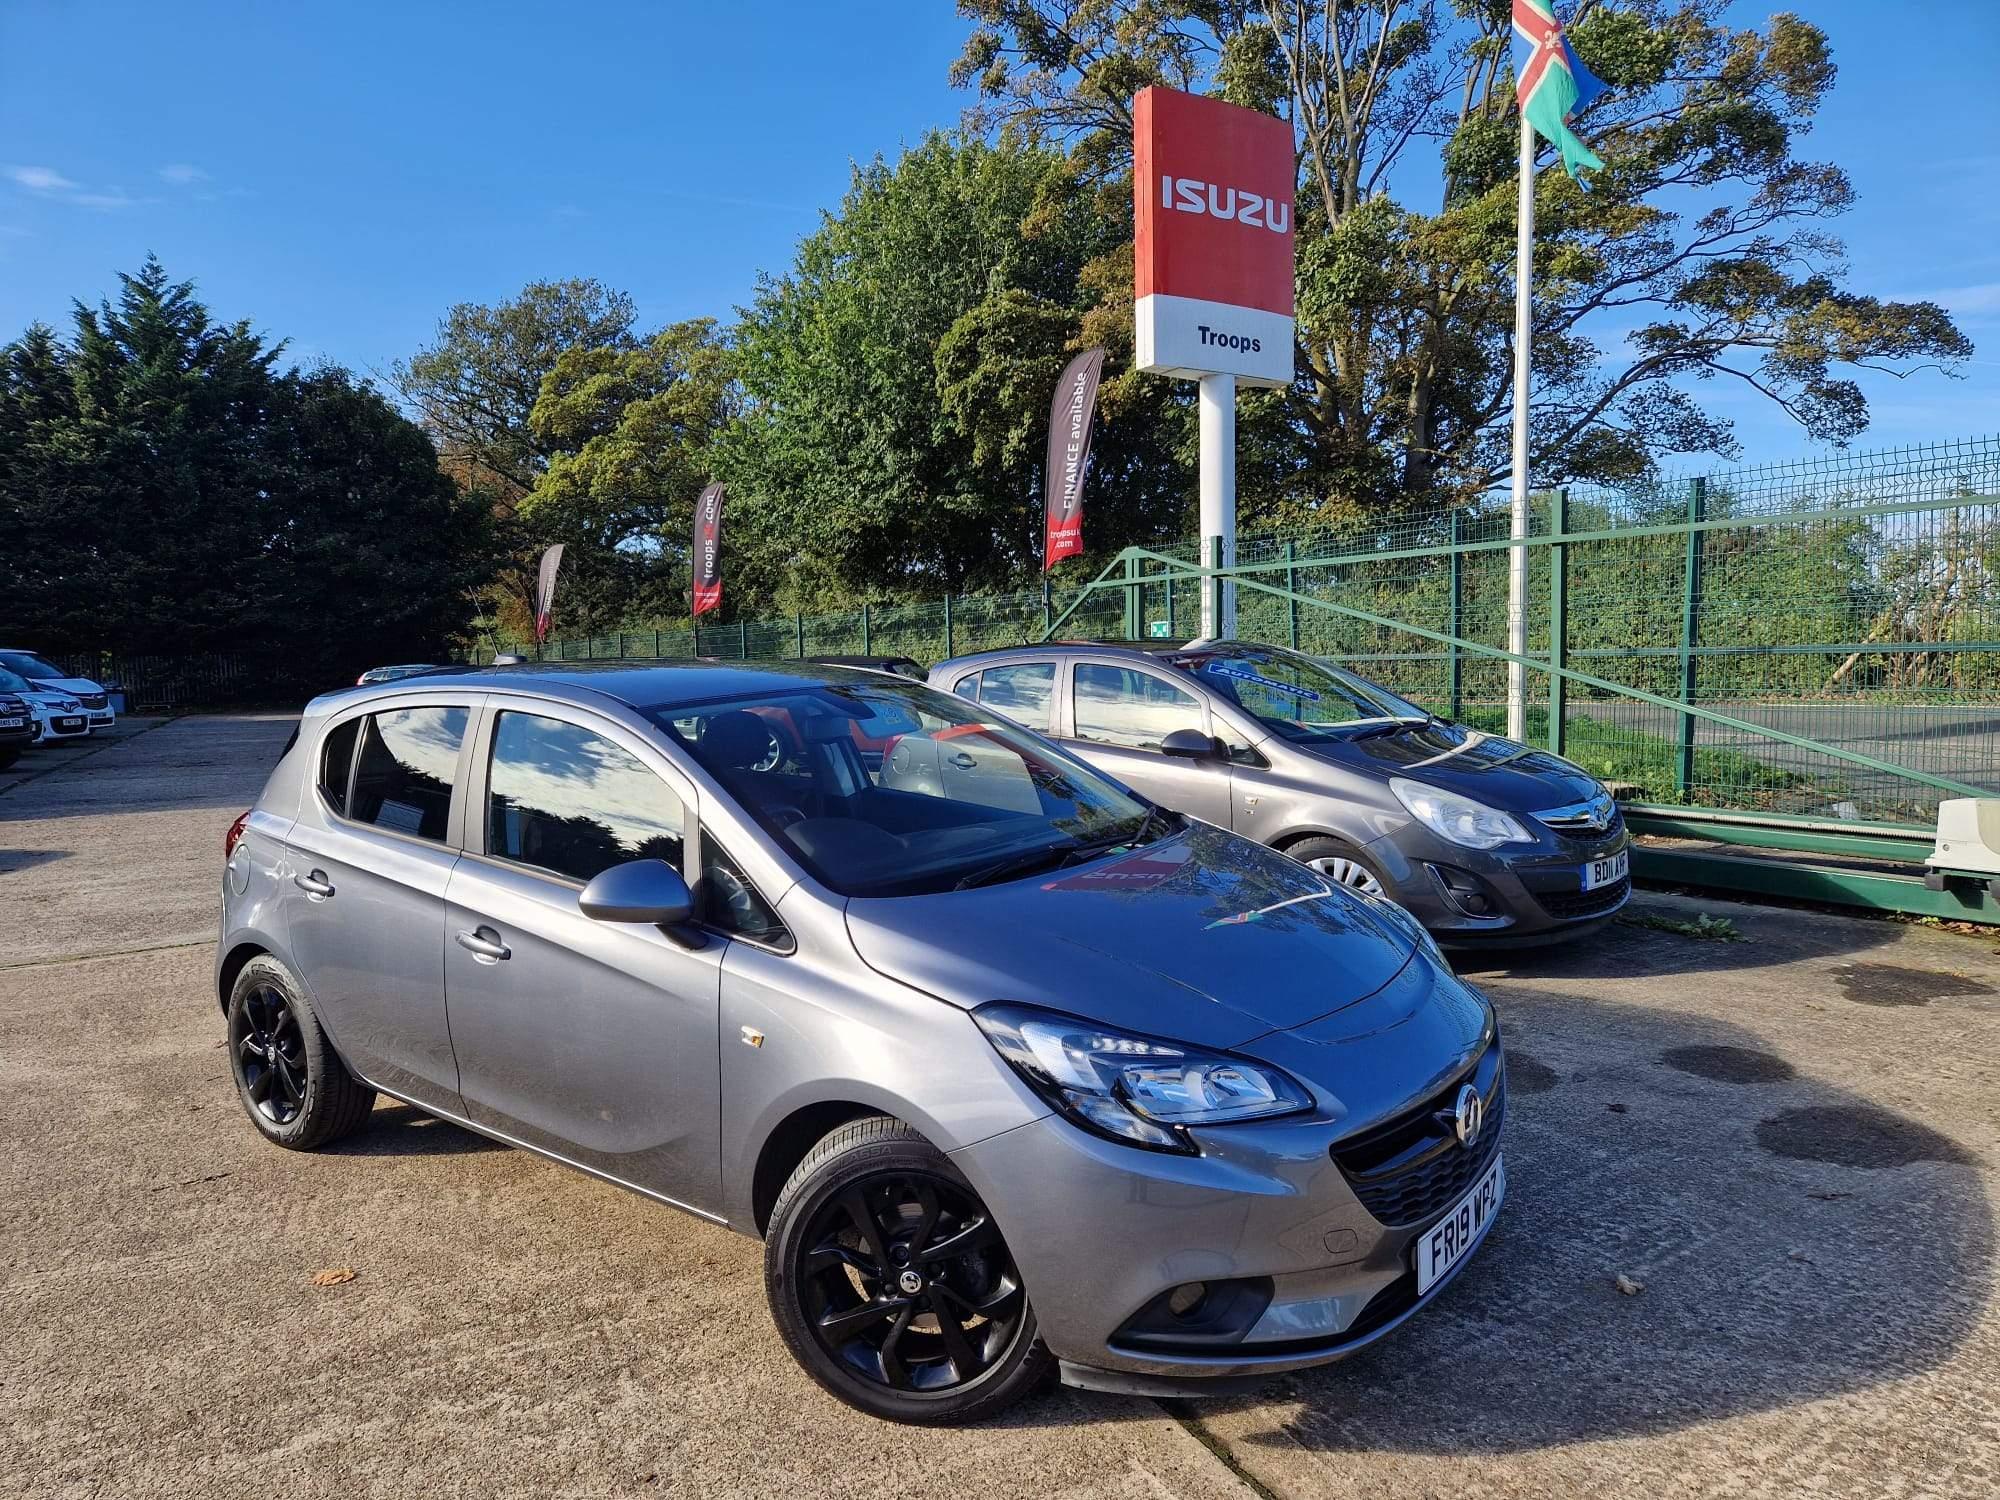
(1249, 674)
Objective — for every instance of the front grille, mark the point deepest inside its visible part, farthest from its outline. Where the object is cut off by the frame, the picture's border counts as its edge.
(1413, 1169)
(1572, 905)
(93, 700)
(1598, 818)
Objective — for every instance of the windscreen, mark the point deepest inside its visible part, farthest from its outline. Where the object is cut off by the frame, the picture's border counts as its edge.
(888, 788)
(29, 665)
(1297, 696)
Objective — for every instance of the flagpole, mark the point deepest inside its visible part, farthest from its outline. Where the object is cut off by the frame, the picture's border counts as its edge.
(1517, 531)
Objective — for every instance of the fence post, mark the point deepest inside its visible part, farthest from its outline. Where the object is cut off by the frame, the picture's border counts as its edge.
(950, 650)
(1558, 621)
(1690, 632)
(743, 640)
(694, 638)
(656, 643)
(802, 634)
(1134, 608)
(867, 633)
(1292, 589)
(1455, 616)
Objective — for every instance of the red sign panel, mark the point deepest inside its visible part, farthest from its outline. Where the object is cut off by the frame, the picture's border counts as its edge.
(1213, 198)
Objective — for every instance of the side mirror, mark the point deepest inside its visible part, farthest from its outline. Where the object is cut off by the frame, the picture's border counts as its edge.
(641, 890)
(1189, 744)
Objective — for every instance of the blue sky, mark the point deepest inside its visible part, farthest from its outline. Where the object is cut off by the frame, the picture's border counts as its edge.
(340, 174)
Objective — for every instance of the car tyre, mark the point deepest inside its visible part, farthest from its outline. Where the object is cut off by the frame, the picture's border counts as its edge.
(1343, 864)
(891, 1283)
(9, 754)
(291, 1082)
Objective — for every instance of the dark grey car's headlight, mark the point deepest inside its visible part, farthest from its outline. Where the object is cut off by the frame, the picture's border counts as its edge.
(1136, 1089)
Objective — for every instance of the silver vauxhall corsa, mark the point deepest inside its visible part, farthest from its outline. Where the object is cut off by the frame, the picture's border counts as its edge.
(1010, 1069)
(1485, 840)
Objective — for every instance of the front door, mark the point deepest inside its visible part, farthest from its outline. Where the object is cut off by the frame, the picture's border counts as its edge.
(369, 858)
(595, 1041)
(1118, 717)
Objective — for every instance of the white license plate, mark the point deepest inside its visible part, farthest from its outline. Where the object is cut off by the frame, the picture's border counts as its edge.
(1451, 1239)
(1607, 871)
(12, 723)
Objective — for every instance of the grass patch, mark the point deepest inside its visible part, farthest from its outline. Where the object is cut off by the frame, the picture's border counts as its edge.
(1702, 926)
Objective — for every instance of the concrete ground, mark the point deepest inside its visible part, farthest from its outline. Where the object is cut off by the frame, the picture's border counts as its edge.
(1785, 1145)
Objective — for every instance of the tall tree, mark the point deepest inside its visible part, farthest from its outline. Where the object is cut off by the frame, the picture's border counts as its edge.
(898, 376)
(163, 487)
(474, 388)
(630, 429)
(1697, 256)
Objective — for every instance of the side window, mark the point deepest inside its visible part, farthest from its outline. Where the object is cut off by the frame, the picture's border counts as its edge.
(568, 801)
(403, 778)
(336, 760)
(1024, 693)
(968, 686)
(1121, 706)
(729, 903)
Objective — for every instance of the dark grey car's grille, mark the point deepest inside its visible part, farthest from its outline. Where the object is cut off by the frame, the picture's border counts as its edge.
(1574, 905)
(1414, 1169)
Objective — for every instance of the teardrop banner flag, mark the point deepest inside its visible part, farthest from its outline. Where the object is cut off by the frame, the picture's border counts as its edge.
(707, 562)
(545, 591)
(1071, 416)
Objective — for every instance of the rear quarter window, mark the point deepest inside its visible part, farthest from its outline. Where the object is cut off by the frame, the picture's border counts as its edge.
(403, 775)
(336, 763)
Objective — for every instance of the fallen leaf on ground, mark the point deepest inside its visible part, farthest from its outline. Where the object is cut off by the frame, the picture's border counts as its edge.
(333, 1277)
(1627, 1287)
(1616, 1109)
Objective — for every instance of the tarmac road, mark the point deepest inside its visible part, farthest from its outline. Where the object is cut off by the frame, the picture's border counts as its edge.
(1789, 1143)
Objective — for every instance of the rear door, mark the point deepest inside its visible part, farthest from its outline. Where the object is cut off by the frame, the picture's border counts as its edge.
(595, 1041)
(368, 859)
(1119, 714)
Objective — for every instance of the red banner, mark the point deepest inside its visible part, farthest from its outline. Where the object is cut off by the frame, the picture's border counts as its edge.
(1071, 415)
(707, 561)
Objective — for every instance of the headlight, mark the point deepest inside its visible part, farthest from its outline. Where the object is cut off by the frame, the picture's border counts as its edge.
(1471, 824)
(1134, 1089)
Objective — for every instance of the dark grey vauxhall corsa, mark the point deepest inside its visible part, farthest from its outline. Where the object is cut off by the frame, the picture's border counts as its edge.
(1485, 840)
(1011, 1070)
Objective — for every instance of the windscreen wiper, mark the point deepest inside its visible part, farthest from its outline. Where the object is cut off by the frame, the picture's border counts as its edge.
(1049, 856)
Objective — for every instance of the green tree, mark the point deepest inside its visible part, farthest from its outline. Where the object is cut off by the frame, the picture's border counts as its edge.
(474, 389)
(1698, 255)
(897, 382)
(630, 429)
(164, 488)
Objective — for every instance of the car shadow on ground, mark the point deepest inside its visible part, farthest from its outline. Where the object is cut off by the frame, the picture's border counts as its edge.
(397, 1129)
(13, 861)
(1782, 1240)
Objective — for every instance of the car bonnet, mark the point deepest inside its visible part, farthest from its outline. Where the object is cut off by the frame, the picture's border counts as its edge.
(1202, 937)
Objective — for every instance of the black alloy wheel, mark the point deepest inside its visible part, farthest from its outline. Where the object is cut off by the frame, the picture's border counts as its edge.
(270, 1054)
(893, 1285)
(292, 1084)
(908, 1284)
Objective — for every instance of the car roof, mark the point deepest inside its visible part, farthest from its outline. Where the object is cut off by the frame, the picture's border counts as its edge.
(1148, 649)
(640, 684)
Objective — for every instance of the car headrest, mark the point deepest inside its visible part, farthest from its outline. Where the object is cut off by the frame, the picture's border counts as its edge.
(737, 739)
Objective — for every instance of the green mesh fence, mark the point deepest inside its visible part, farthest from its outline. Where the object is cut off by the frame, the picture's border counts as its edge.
(1851, 601)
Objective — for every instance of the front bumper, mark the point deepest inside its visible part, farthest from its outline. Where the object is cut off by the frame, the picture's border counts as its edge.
(63, 727)
(1102, 1232)
(1532, 893)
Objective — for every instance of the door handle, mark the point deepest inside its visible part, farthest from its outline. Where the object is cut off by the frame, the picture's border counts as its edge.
(964, 762)
(484, 945)
(315, 885)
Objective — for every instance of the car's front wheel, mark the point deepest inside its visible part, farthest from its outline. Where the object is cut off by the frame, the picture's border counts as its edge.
(892, 1285)
(292, 1083)
(9, 754)
(1341, 863)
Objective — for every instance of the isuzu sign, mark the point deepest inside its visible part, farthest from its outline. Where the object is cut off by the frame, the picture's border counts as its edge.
(1213, 190)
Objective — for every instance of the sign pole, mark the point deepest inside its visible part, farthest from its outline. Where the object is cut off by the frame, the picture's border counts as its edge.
(1218, 501)
(1517, 531)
